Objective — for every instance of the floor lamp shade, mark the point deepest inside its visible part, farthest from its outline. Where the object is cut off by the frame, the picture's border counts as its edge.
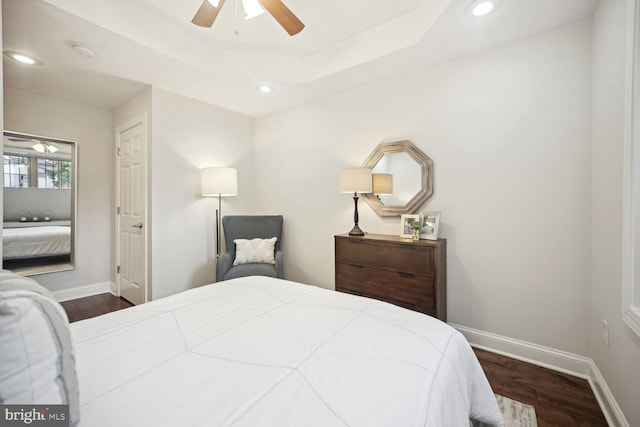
(219, 182)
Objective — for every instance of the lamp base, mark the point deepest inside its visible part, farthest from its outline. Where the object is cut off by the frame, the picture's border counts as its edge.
(355, 231)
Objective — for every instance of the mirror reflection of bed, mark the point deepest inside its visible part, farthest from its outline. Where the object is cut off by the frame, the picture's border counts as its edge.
(39, 198)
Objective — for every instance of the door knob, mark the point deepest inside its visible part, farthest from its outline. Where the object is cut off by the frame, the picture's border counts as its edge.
(138, 225)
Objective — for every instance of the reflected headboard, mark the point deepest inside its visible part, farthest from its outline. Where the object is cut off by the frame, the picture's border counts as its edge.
(19, 200)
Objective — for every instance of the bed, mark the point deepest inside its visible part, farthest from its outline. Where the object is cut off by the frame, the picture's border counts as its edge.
(252, 351)
(35, 242)
(260, 351)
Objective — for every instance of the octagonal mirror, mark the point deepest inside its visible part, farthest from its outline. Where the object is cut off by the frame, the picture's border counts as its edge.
(403, 178)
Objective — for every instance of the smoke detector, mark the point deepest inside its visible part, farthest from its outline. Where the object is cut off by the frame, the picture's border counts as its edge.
(83, 50)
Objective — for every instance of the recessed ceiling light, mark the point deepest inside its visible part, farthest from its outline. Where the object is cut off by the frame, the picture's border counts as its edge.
(479, 8)
(23, 58)
(265, 88)
(482, 8)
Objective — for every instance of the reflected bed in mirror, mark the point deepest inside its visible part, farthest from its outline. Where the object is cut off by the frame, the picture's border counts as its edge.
(38, 234)
(402, 178)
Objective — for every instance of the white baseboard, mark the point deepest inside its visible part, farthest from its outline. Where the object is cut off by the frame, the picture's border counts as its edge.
(532, 353)
(610, 408)
(550, 358)
(82, 291)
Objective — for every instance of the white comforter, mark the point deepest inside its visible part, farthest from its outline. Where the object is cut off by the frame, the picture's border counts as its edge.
(258, 351)
(26, 242)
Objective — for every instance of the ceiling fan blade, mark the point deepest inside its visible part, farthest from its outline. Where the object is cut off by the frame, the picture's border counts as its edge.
(283, 15)
(207, 13)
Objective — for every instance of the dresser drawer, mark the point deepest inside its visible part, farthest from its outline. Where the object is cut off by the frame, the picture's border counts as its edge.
(410, 274)
(408, 289)
(412, 259)
(428, 311)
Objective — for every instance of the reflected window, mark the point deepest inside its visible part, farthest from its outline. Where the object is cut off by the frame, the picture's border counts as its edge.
(16, 171)
(36, 172)
(54, 173)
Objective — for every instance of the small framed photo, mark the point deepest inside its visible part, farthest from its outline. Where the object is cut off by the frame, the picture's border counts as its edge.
(429, 226)
(407, 225)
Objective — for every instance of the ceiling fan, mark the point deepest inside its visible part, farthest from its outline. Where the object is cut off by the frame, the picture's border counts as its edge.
(208, 12)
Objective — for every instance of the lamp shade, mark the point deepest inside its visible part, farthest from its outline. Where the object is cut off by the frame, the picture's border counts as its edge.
(219, 181)
(355, 180)
(382, 183)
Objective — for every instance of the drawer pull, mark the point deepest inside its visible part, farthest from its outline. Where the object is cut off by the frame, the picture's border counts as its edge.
(406, 274)
(359, 267)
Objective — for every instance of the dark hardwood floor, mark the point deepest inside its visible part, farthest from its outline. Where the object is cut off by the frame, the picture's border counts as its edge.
(560, 400)
(84, 308)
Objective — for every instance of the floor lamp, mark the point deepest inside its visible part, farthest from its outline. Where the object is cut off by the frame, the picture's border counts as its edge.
(219, 182)
(356, 180)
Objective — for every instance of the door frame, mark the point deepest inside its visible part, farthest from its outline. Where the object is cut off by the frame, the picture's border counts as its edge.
(139, 120)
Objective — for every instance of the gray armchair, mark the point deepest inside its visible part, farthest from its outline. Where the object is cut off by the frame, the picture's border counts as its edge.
(249, 227)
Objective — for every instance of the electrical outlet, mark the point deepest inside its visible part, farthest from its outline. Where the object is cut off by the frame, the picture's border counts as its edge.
(605, 332)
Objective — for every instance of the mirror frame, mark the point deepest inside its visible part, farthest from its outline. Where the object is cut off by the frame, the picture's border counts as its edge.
(426, 178)
(74, 206)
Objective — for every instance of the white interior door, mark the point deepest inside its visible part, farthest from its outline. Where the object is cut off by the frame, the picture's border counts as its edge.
(131, 211)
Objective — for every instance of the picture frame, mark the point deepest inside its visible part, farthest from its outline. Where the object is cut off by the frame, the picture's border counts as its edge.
(406, 225)
(430, 222)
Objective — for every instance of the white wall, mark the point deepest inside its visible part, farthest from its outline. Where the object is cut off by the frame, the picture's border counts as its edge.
(508, 130)
(91, 128)
(189, 135)
(619, 363)
(185, 136)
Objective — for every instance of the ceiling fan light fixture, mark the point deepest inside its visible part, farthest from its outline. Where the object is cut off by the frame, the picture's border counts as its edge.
(252, 8)
(39, 147)
(207, 13)
(44, 147)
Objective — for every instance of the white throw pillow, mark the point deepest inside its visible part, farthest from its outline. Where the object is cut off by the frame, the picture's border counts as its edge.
(37, 362)
(255, 250)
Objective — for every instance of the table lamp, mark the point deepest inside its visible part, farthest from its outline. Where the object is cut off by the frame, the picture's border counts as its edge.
(356, 180)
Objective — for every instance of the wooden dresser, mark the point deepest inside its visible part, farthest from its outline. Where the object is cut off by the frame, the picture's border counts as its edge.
(411, 274)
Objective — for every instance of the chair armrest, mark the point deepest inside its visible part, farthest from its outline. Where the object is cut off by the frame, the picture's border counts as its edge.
(223, 265)
(279, 265)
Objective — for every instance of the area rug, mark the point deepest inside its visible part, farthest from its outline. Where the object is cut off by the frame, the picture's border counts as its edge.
(516, 414)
